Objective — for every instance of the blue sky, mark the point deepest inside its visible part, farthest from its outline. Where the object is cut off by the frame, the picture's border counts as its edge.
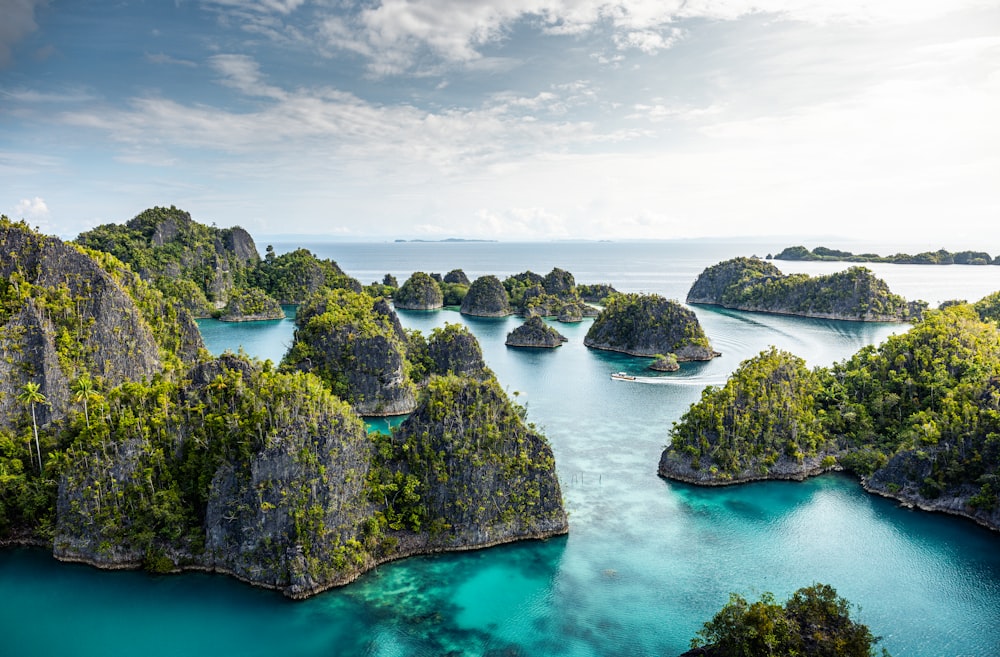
(513, 120)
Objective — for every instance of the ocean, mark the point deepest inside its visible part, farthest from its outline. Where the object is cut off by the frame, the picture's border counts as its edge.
(646, 562)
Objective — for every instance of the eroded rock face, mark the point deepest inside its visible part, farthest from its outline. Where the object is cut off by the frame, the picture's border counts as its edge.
(647, 325)
(486, 297)
(455, 350)
(535, 333)
(355, 344)
(456, 276)
(75, 306)
(483, 476)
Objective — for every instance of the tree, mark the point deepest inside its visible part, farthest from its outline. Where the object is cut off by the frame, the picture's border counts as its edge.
(814, 622)
(83, 391)
(31, 395)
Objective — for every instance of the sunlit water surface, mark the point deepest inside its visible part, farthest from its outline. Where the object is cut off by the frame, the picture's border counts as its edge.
(646, 562)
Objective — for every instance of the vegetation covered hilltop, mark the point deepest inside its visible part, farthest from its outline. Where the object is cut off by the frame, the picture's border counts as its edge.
(756, 285)
(917, 418)
(123, 443)
(939, 257)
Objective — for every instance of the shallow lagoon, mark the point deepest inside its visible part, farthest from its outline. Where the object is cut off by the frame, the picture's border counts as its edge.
(646, 561)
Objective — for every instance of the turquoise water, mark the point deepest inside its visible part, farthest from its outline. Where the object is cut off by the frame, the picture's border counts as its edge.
(645, 563)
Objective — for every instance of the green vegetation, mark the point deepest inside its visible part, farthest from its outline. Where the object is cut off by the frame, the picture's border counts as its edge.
(764, 413)
(815, 621)
(465, 461)
(486, 297)
(646, 325)
(757, 285)
(419, 292)
(989, 307)
(918, 416)
(292, 277)
(939, 257)
(251, 302)
(354, 343)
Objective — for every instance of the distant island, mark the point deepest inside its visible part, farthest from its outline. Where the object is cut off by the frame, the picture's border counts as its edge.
(447, 239)
(939, 257)
(755, 285)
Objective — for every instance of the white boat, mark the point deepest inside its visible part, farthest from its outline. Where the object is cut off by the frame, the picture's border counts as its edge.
(622, 376)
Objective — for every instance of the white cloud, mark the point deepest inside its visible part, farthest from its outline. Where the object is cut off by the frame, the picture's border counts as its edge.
(18, 22)
(32, 209)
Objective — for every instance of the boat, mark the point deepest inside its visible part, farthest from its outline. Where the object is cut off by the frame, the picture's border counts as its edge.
(622, 376)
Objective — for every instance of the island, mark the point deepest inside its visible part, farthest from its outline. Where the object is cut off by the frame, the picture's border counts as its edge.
(939, 257)
(915, 418)
(147, 452)
(535, 333)
(213, 272)
(649, 325)
(755, 285)
(419, 292)
(486, 298)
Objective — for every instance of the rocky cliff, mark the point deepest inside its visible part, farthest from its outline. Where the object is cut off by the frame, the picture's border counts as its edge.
(419, 292)
(755, 285)
(454, 350)
(471, 472)
(65, 312)
(486, 297)
(535, 333)
(647, 325)
(355, 344)
(268, 477)
(166, 243)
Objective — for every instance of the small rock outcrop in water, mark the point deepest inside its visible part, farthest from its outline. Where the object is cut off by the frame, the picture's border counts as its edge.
(535, 333)
(419, 292)
(647, 325)
(355, 344)
(664, 363)
(486, 297)
(456, 277)
(755, 285)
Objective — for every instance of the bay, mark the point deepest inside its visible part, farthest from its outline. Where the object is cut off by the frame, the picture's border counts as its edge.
(646, 561)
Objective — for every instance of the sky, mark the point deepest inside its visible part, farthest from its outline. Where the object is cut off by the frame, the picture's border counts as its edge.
(508, 119)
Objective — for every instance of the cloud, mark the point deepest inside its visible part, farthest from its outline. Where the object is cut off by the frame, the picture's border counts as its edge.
(162, 58)
(18, 21)
(33, 209)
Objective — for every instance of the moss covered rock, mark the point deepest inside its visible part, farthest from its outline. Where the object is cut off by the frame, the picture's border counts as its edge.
(251, 304)
(647, 325)
(355, 343)
(419, 292)
(486, 297)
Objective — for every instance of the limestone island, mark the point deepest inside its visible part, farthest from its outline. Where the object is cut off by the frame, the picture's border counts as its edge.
(755, 285)
(147, 452)
(939, 257)
(486, 298)
(419, 292)
(649, 325)
(213, 272)
(535, 333)
(915, 418)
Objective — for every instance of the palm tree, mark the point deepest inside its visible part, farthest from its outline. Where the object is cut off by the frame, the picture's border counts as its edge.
(31, 395)
(83, 390)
